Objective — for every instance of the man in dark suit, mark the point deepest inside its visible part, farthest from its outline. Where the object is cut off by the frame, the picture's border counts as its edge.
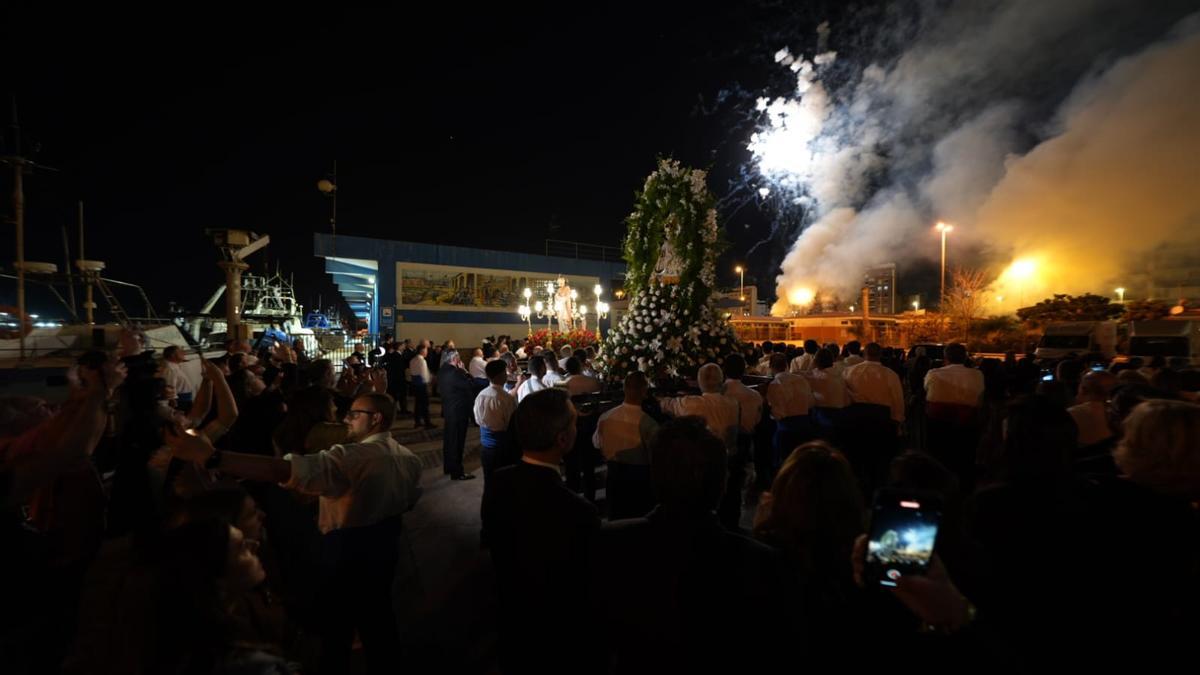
(541, 534)
(679, 592)
(458, 394)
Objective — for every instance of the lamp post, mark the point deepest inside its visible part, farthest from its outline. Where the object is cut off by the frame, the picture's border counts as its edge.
(741, 286)
(916, 305)
(945, 229)
(601, 313)
(597, 291)
(524, 310)
(1121, 293)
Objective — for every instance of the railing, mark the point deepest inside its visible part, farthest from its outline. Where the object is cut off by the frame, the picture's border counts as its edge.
(582, 251)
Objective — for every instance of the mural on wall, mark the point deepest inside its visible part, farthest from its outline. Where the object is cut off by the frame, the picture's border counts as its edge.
(446, 287)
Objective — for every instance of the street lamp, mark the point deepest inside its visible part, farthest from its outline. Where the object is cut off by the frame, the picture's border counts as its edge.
(601, 313)
(1121, 293)
(916, 305)
(741, 285)
(597, 290)
(945, 229)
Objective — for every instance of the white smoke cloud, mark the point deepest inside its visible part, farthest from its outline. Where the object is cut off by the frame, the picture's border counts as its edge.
(935, 134)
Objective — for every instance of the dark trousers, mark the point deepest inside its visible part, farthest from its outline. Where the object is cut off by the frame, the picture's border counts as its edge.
(790, 433)
(764, 451)
(628, 490)
(493, 451)
(730, 510)
(399, 391)
(420, 401)
(359, 565)
(580, 463)
(454, 439)
(867, 436)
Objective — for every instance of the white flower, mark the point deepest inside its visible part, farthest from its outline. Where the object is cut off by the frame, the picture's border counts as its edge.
(678, 323)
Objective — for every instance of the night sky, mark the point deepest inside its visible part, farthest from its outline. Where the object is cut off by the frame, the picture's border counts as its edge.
(495, 129)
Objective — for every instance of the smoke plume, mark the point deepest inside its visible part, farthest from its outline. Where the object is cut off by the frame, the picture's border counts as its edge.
(1059, 134)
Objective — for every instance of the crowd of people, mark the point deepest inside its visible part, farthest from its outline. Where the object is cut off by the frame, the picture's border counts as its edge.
(252, 521)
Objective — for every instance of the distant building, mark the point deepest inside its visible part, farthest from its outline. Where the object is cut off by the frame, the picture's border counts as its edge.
(881, 282)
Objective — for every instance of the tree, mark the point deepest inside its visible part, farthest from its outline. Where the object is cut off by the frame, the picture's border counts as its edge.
(966, 300)
(1063, 307)
(928, 327)
(1146, 310)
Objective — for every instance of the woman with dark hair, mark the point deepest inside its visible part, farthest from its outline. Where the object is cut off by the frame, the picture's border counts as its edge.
(206, 569)
(813, 514)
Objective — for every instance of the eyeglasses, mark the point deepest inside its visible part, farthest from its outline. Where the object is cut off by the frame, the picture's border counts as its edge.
(352, 413)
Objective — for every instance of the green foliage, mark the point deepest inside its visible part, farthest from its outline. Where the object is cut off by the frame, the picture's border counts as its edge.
(1063, 307)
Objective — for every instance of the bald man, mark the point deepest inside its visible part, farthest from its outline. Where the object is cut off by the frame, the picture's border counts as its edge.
(1091, 413)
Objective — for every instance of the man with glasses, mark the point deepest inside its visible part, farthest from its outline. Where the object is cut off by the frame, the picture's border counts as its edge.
(365, 485)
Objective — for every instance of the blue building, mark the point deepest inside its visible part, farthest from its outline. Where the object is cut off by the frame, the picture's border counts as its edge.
(445, 292)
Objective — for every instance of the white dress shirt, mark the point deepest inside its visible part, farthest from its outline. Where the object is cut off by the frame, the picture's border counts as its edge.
(789, 395)
(494, 408)
(803, 363)
(853, 360)
(359, 483)
(552, 378)
(954, 383)
(721, 414)
(750, 402)
(477, 366)
(175, 377)
(873, 382)
(623, 434)
(419, 368)
(582, 384)
(1092, 419)
(828, 388)
(529, 386)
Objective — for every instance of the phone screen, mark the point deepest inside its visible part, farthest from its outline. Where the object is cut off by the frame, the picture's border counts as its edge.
(1098, 368)
(1048, 377)
(902, 534)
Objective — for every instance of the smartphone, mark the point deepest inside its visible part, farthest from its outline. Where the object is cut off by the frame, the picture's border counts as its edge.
(902, 535)
(1048, 377)
(1098, 368)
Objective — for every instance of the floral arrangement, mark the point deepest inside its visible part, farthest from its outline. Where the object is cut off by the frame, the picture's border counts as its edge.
(671, 322)
(578, 338)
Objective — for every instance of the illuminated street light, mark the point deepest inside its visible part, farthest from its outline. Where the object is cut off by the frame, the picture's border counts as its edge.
(945, 229)
(1121, 293)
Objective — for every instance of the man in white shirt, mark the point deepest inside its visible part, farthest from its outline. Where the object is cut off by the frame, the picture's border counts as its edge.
(173, 360)
(494, 408)
(476, 368)
(873, 383)
(870, 426)
(623, 437)
(364, 485)
(806, 361)
(790, 397)
(576, 382)
(828, 385)
(953, 395)
(720, 412)
(418, 376)
(533, 382)
(555, 375)
(565, 353)
(750, 404)
(853, 354)
(954, 384)
(1091, 413)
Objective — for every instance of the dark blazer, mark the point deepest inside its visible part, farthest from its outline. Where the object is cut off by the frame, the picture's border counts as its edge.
(541, 537)
(457, 390)
(686, 595)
